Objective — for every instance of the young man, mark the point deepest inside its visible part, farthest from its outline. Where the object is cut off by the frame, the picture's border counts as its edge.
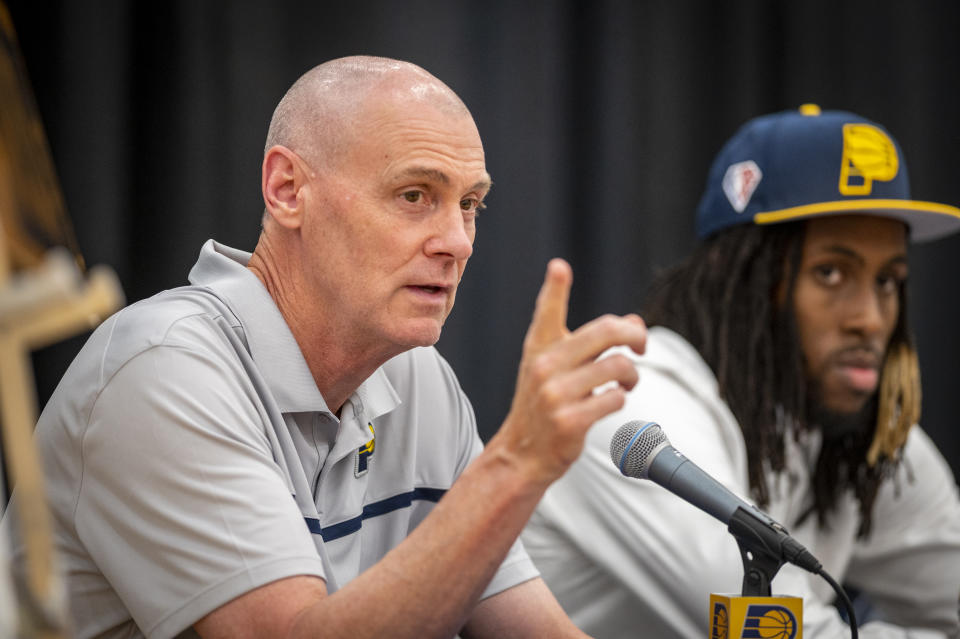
(277, 450)
(780, 362)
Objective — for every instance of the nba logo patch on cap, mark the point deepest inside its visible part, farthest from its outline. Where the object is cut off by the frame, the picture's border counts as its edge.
(739, 183)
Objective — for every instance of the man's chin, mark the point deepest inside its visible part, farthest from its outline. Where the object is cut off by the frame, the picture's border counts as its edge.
(840, 419)
(425, 333)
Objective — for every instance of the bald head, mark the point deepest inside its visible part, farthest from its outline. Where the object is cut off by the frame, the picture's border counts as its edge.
(317, 116)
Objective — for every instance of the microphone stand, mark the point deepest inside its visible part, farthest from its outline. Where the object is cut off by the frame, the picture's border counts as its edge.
(764, 549)
(760, 552)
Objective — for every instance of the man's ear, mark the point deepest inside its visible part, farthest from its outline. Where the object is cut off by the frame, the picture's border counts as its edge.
(281, 182)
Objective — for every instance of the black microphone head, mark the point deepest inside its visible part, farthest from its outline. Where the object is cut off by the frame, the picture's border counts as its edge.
(634, 446)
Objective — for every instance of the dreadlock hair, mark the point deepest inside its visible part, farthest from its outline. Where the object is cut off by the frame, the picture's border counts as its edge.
(733, 301)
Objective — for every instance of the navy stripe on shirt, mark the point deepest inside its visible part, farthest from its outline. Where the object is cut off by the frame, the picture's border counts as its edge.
(377, 508)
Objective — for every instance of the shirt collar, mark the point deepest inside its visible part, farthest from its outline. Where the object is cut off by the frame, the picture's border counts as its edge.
(222, 270)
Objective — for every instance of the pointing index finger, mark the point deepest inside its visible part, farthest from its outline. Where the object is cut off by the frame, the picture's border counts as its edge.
(550, 314)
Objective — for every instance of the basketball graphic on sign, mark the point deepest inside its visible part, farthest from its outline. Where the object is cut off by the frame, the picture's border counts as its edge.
(768, 622)
(776, 624)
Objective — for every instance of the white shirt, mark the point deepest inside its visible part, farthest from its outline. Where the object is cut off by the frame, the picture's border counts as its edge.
(190, 458)
(626, 558)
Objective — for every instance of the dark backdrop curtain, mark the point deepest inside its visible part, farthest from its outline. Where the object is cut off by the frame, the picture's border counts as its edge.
(599, 121)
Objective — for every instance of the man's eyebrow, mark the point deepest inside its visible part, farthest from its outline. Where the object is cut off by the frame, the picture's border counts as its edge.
(842, 250)
(424, 173)
(435, 175)
(848, 252)
(483, 185)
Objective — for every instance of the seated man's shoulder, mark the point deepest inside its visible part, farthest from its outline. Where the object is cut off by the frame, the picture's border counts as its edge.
(186, 317)
(180, 315)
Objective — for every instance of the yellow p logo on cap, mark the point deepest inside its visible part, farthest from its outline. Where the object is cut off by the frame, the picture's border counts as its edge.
(868, 155)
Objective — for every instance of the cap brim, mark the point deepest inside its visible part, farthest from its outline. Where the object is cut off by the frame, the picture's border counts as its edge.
(927, 220)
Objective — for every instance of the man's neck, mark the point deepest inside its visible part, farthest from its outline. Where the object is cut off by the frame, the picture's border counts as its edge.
(337, 361)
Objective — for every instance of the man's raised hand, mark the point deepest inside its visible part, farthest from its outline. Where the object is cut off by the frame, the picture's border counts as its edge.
(554, 403)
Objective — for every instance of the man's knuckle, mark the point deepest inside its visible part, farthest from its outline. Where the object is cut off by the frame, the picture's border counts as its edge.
(620, 365)
(608, 321)
(570, 421)
(551, 396)
(541, 367)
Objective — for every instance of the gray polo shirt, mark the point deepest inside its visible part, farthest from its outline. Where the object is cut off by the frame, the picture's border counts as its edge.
(190, 458)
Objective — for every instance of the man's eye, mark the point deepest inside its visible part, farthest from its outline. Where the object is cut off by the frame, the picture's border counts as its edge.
(889, 284)
(471, 205)
(828, 274)
(412, 196)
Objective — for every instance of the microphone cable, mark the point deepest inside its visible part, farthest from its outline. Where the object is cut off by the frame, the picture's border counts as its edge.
(847, 604)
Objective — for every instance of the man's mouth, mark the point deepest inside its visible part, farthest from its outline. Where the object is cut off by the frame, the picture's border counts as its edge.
(860, 369)
(861, 379)
(431, 289)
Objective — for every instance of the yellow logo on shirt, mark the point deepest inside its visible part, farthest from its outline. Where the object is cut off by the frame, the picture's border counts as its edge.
(364, 453)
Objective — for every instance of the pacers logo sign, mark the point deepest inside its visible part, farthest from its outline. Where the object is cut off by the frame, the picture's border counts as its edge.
(734, 617)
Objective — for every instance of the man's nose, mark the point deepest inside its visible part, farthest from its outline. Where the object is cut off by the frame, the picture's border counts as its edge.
(866, 312)
(451, 235)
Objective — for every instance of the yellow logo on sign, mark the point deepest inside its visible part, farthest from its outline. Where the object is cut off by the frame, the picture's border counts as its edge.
(868, 155)
(736, 617)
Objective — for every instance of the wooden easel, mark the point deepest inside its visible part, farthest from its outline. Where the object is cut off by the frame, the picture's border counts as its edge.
(37, 309)
(44, 298)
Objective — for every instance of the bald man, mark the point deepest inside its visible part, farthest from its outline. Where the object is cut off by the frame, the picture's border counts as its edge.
(277, 450)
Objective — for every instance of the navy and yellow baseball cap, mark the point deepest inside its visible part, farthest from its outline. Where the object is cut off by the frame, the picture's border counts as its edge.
(799, 164)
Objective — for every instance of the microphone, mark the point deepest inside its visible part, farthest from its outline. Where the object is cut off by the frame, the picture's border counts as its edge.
(641, 450)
